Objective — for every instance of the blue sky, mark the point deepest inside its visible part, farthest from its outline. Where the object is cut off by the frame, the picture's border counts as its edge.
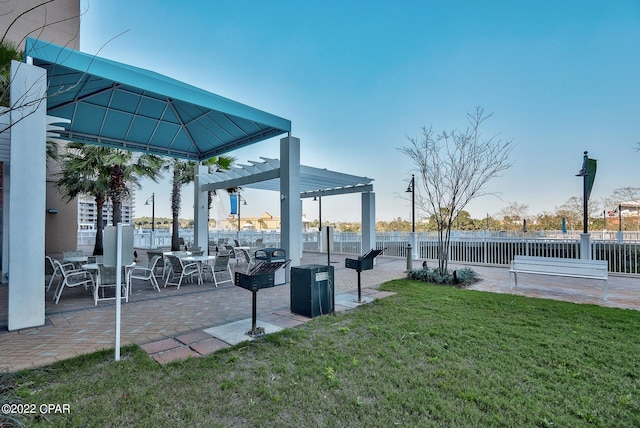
(357, 78)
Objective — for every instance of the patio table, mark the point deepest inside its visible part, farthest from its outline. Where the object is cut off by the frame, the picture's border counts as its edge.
(93, 267)
(200, 260)
(76, 260)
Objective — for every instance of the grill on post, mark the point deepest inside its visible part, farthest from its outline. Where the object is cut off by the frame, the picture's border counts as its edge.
(362, 263)
(262, 275)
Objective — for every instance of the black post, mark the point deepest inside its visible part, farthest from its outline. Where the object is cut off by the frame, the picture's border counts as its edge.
(328, 249)
(320, 213)
(153, 216)
(413, 203)
(620, 218)
(253, 313)
(585, 200)
(359, 293)
(153, 213)
(238, 203)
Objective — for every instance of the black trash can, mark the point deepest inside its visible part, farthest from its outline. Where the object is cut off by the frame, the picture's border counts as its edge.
(312, 290)
(273, 255)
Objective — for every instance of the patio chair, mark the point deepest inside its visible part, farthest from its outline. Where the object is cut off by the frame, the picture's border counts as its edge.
(53, 272)
(181, 270)
(233, 256)
(71, 278)
(145, 273)
(248, 259)
(220, 266)
(106, 280)
(161, 269)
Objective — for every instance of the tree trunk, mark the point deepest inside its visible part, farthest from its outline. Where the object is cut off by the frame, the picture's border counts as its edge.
(98, 249)
(175, 210)
(116, 192)
(117, 211)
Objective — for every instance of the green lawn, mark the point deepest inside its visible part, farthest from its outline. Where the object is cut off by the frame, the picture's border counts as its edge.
(428, 356)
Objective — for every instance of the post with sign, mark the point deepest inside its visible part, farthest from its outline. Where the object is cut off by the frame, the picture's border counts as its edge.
(118, 252)
(588, 174)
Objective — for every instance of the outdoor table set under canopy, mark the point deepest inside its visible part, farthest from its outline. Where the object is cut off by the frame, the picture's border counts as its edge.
(93, 100)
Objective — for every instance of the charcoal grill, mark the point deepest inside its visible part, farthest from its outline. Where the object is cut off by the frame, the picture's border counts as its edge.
(262, 275)
(362, 263)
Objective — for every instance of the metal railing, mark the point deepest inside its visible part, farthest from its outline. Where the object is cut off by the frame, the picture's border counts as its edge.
(497, 248)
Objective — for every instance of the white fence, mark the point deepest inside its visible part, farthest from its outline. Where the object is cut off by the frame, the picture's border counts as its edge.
(497, 248)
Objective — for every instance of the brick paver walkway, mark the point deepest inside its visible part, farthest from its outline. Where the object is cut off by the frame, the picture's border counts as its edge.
(171, 324)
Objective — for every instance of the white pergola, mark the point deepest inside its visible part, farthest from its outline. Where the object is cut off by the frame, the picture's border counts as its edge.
(300, 182)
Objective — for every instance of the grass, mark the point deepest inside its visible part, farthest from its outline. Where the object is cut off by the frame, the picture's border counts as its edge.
(428, 356)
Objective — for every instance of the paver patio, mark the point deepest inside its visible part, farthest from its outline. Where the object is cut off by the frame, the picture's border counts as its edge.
(177, 324)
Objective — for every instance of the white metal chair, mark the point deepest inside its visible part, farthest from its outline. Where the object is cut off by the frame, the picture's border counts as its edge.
(144, 273)
(248, 259)
(71, 278)
(53, 271)
(105, 280)
(233, 255)
(220, 266)
(181, 270)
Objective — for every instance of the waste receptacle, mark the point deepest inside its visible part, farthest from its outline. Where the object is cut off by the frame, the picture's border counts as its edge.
(312, 290)
(270, 255)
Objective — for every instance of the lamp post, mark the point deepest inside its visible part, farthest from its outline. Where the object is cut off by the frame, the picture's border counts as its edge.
(240, 198)
(319, 199)
(412, 189)
(620, 235)
(152, 198)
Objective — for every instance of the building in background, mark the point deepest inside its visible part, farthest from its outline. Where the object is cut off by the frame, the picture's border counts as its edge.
(57, 21)
(88, 212)
(265, 222)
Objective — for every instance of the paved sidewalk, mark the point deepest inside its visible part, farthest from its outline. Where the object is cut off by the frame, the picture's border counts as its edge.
(191, 321)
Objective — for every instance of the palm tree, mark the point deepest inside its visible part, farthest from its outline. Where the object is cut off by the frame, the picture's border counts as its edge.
(103, 172)
(127, 168)
(183, 173)
(84, 173)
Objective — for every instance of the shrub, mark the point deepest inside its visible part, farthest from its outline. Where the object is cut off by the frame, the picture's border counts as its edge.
(459, 277)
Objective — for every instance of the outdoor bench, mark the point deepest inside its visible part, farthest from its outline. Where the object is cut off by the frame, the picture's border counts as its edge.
(576, 268)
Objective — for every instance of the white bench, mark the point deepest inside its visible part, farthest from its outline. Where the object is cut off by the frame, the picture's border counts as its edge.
(577, 268)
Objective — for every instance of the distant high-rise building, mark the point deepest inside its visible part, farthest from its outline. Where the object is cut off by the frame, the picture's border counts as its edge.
(88, 212)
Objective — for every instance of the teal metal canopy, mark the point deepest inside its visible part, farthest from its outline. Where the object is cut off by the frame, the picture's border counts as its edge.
(118, 105)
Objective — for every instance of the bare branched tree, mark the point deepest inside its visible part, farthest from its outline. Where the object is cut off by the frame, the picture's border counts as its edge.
(454, 167)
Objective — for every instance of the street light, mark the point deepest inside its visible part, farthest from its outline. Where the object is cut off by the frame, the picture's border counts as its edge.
(152, 198)
(240, 198)
(319, 199)
(412, 189)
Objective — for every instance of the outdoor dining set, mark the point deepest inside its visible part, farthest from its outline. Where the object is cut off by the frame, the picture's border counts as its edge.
(172, 268)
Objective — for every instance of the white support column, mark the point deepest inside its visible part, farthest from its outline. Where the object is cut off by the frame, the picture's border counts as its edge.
(27, 203)
(290, 206)
(368, 221)
(585, 246)
(200, 210)
(413, 240)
